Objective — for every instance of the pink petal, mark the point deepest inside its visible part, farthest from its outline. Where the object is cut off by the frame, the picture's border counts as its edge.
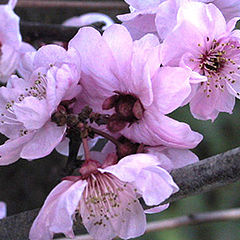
(172, 158)
(204, 108)
(120, 43)
(8, 62)
(166, 17)
(25, 66)
(229, 9)
(163, 187)
(145, 62)
(47, 137)
(170, 91)
(139, 23)
(10, 151)
(3, 210)
(56, 215)
(139, 4)
(49, 55)
(156, 129)
(130, 166)
(206, 18)
(90, 44)
(9, 20)
(32, 112)
(186, 37)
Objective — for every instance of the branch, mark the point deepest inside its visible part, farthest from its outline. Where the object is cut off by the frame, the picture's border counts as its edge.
(90, 5)
(193, 219)
(32, 31)
(74, 145)
(200, 177)
(207, 174)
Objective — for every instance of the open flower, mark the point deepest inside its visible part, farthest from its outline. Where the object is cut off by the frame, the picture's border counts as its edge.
(160, 17)
(124, 77)
(26, 105)
(208, 45)
(106, 198)
(10, 40)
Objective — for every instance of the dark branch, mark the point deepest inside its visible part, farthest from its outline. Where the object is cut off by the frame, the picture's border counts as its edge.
(208, 174)
(203, 176)
(86, 5)
(74, 145)
(32, 31)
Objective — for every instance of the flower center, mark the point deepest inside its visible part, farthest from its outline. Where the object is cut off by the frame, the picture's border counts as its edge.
(38, 90)
(128, 108)
(105, 198)
(219, 62)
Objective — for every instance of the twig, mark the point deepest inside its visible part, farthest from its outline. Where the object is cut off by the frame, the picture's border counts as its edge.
(32, 31)
(106, 135)
(86, 149)
(200, 177)
(74, 145)
(193, 219)
(90, 5)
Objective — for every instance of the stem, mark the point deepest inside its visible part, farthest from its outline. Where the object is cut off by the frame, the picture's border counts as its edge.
(74, 145)
(106, 135)
(86, 149)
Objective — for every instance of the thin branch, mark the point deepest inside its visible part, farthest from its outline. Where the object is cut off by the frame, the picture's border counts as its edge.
(86, 5)
(200, 177)
(193, 219)
(105, 135)
(86, 149)
(74, 145)
(32, 31)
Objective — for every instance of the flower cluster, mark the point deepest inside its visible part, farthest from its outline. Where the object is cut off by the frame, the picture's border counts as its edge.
(119, 86)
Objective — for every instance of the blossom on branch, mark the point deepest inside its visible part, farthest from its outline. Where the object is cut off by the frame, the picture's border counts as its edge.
(207, 45)
(10, 40)
(106, 198)
(26, 105)
(124, 78)
(160, 17)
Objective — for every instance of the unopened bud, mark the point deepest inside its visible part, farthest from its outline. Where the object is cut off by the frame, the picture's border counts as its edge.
(72, 120)
(110, 102)
(115, 124)
(138, 110)
(59, 118)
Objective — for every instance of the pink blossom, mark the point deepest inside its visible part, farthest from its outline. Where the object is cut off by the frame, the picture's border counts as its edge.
(105, 198)
(125, 79)
(160, 17)
(89, 18)
(10, 40)
(3, 210)
(209, 46)
(26, 105)
(168, 158)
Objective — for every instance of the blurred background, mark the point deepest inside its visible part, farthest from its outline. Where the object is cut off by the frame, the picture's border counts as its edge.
(24, 185)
